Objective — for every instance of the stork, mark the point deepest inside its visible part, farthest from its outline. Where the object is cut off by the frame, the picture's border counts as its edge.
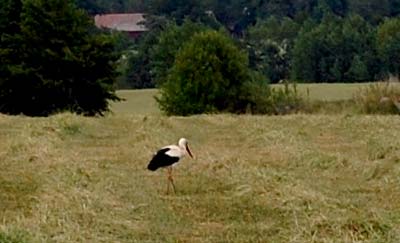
(168, 156)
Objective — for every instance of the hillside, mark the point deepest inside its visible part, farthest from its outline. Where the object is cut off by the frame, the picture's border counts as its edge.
(255, 179)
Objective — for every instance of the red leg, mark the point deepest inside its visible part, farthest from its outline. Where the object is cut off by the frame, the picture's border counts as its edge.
(168, 176)
(171, 179)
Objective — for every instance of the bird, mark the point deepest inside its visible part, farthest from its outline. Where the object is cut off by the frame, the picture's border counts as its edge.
(167, 157)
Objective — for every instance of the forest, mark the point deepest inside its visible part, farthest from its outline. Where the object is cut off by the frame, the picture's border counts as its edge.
(303, 41)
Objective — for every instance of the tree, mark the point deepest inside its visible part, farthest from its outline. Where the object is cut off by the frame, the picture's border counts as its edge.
(234, 15)
(9, 16)
(305, 62)
(139, 64)
(178, 9)
(64, 63)
(154, 54)
(360, 50)
(372, 10)
(339, 7)
(270, 43)
(9, 25)
(169, 43)
(358, 70)
(208, 76)
(277, 8)
(388, 37)
(137, 75)
(335, 51)
(394, 7)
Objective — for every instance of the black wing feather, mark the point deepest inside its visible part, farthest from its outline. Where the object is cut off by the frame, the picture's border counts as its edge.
(160, 159)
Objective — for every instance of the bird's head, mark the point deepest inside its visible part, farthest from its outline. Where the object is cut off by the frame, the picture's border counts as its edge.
(183, 143)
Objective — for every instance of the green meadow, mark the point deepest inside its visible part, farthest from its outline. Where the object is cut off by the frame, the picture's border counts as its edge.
(294, 178)
(142, 101)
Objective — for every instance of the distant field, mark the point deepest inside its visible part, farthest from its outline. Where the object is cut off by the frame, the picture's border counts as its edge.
(330, 92)
(142, 101)
(293, 178)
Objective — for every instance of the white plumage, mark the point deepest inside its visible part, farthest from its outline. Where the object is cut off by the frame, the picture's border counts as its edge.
(178, 151)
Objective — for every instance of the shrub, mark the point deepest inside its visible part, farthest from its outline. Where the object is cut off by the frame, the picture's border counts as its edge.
(263, 99)
(207, 76)
(379, 98)
(169, 42)
(211, 74)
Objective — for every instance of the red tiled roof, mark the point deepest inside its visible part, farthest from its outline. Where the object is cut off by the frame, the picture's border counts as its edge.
(122, 22)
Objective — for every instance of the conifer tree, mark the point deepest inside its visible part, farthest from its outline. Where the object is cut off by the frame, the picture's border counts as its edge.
(64, 63)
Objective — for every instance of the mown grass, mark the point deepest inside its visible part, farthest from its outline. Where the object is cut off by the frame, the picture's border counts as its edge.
(296, 178)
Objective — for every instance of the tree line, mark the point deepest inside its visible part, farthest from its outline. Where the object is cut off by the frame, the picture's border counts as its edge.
(306, 41)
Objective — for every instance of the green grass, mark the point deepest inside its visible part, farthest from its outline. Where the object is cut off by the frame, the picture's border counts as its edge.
(295, 178)
(331, 91)
(136, 102)
(141, 102)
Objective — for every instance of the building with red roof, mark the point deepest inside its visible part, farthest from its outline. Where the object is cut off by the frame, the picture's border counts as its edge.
(131, 23)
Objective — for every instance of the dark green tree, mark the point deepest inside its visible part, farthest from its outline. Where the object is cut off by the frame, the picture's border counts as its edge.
(388, 38)
(91, 6)
(9, 25)
(276, 8)
(306, 54)
(138, 73)
(360, 56)
(338, 7)
(64, 63)
(270, 43)
(234, 15)
(154, 54)
(9, 16)
(169, 43)
(358, 70)
(178, 9)
(374, 11)
(208, 76)
(394, 7)
(334, 50)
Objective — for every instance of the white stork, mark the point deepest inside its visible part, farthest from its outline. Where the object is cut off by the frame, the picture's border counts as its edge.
(168, 156)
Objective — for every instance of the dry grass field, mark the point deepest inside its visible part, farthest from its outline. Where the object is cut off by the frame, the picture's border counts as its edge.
(255, 179)
(296, 178)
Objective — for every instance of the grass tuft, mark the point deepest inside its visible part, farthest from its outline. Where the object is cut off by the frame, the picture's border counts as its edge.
(15, 236)
(379, 98)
